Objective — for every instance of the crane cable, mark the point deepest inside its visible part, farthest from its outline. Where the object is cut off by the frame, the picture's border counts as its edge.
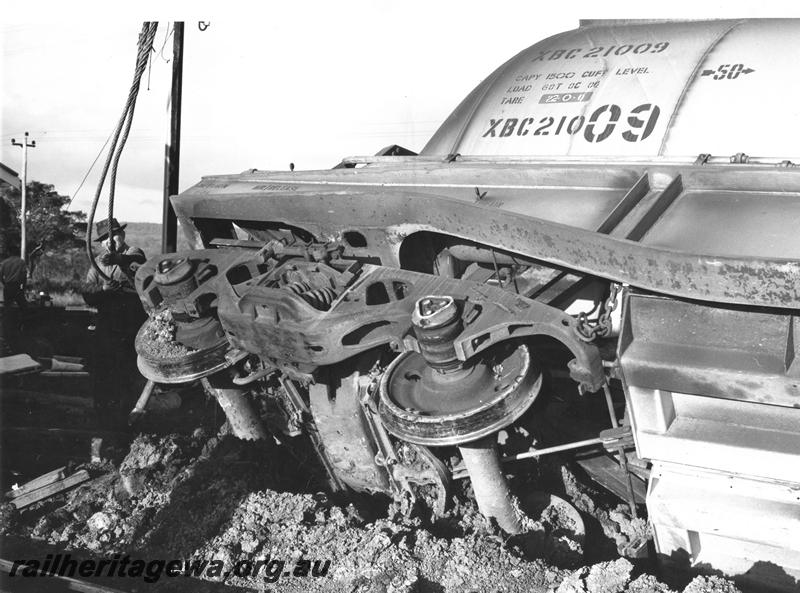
(146, 38)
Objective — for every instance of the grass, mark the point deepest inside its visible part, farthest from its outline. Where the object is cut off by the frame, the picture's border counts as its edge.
(147, 236)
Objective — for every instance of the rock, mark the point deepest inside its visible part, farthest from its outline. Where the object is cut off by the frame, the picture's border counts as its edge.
(647, 583)
(8, 518)
(148, 451)
(607, 577)
(133, 482)
(703, 584)
(100, 522)
(82, 512)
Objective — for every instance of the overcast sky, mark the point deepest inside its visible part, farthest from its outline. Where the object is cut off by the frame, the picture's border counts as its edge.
(303, 82)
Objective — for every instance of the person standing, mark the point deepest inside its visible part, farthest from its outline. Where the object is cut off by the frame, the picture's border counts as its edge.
(14, 276)
(119, 264)
(117, 381)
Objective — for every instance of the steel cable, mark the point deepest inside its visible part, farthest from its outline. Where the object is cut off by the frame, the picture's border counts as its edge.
(146, 38)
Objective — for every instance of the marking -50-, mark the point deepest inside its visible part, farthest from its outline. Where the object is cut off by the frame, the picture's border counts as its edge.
(601, 124)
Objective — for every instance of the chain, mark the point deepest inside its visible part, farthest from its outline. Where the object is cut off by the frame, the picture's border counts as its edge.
(588, 330)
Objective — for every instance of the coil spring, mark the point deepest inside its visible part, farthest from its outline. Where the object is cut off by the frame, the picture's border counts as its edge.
(298, 287)
(319, 298)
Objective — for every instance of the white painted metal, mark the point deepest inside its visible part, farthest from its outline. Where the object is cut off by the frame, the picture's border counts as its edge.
(749, 530)
(718, 87)
(739, 437)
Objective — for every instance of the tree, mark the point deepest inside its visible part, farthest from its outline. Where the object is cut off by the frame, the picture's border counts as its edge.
(50, 226)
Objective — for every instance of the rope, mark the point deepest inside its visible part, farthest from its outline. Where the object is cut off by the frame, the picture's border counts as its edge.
(146, 37)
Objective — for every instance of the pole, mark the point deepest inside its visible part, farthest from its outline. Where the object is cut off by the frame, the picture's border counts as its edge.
(172, 149)
(23, 248)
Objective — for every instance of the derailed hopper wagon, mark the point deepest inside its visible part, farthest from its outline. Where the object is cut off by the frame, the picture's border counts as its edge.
(616, 206)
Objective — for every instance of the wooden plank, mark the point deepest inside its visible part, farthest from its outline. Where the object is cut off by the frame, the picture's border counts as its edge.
(72, 359)
(18, 363)
(43, 480)
(80, 308)
(51, 489)
(57, 363)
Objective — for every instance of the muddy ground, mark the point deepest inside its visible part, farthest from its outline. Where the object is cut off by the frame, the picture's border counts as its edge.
(206, 496)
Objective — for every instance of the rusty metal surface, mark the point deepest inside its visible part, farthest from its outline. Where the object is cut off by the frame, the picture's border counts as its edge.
(727, 264)
(341, 428)
(423, 406)
(262, 315)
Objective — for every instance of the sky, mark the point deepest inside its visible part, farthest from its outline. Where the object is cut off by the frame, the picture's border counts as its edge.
(307, 82)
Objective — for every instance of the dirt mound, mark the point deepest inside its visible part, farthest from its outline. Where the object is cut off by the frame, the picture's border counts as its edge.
(223, 500)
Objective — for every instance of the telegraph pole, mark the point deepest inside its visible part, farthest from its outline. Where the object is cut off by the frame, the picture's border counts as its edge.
(172, 150)
(25, 146)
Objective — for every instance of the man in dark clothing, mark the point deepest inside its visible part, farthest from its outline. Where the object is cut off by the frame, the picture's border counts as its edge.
(117, 381)
(14, 276)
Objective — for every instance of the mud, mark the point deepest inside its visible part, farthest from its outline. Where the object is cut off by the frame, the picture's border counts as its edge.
(157, 341)
(616, 522)
(217, 498)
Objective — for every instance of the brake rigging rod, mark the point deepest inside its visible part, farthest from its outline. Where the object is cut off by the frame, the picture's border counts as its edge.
(623, 457)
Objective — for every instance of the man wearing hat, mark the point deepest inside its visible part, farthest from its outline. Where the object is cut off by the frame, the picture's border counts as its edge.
(119, 263)
(119, 316)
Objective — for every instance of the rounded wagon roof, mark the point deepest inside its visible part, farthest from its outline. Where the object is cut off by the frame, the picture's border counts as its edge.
(639, 89)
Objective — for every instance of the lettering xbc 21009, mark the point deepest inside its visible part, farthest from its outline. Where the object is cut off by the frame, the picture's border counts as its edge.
(636, 125)
(601, 51)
